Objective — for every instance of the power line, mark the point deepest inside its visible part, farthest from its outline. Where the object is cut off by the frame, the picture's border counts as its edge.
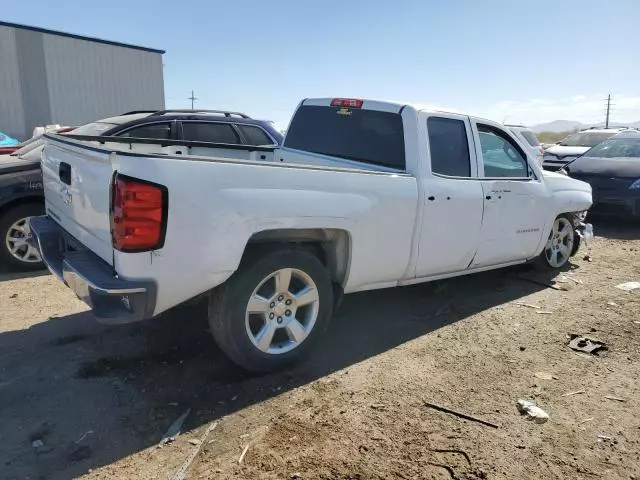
(193, 98)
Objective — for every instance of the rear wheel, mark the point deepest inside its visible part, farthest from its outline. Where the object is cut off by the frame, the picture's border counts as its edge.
(15, 251)
(560, 245)
(273, 310)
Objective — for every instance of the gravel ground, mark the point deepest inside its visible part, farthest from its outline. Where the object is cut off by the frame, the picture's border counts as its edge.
(96, 401)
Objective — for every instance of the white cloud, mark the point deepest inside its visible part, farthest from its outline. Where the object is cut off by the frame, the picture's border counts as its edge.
(586, 109)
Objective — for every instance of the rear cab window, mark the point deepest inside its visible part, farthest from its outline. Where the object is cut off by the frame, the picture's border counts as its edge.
(368, 136)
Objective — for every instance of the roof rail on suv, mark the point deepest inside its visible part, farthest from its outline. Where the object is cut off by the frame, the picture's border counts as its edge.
(134, 112)
(197, 111)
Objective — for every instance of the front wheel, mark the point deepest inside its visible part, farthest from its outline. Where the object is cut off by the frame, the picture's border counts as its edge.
(272, 311)
(560, 245)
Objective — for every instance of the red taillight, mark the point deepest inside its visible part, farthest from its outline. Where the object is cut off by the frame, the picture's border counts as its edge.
(346, 102)
(138, 215)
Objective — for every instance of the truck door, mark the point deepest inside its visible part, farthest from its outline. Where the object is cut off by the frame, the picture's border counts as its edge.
(515, 202)
(452, 210)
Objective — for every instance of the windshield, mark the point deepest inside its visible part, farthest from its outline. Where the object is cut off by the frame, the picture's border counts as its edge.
(585, 139)
(94, 129)
(616, 147)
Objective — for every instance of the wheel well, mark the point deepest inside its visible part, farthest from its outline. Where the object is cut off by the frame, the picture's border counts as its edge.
(4, 208)
(331, 246)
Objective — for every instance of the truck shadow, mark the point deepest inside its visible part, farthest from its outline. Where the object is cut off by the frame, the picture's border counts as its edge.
(95, 395)
(615, 228)
(6, 275)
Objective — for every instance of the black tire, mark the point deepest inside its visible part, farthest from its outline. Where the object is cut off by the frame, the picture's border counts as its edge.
(7, 260)
(228, 303)
(542, 261)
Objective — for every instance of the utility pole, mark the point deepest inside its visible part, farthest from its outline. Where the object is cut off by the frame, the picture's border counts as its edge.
(606, 123)
(193, 98)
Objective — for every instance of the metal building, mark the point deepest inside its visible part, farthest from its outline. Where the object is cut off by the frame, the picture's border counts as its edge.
(49, 77)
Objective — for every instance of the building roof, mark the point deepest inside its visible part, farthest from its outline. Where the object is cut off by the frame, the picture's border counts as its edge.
(79, 37)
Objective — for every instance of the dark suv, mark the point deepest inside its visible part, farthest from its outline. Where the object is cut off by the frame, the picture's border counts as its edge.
(212, 126)
(21, 193)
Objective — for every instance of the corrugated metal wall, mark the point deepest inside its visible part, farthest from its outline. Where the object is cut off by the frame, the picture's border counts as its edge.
(11, 112)
(46, 78)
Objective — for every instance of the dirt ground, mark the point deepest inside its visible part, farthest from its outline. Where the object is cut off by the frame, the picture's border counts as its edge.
(96, 401)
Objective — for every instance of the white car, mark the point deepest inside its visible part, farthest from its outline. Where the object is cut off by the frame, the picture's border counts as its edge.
(575, 145)
(362, 195)
(529, 139)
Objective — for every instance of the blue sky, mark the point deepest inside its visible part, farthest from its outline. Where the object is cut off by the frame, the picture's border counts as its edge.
(527, 61)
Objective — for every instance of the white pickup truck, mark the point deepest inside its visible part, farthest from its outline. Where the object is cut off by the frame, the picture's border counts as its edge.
(362, 195)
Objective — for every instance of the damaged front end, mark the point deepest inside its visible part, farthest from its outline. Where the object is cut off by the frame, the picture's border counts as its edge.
(584, 231)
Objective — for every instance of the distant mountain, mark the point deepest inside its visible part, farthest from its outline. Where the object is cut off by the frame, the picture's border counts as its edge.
(570, 125)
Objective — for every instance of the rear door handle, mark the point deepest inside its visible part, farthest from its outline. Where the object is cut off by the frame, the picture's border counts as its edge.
(64, 172)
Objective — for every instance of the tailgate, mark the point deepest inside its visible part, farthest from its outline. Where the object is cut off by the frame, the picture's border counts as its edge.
(77, 182)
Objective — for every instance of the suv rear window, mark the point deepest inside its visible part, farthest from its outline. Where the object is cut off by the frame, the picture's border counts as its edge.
(530, 138)
(368, 136)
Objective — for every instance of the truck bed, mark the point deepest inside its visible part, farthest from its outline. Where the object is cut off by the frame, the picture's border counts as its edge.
(216, 205)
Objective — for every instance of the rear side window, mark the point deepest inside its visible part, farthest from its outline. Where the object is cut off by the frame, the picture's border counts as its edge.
(449, 147)
(530, 138)
(368, 136)
(209, 132)
(159, 131)
(255, 135)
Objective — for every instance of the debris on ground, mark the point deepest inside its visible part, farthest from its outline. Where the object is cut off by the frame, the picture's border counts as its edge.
(528, 408)
(174, 429)
(605, 438)
(588, 258)
(613, 304)
(545, 376)
(194, 441)
(544, 312)
(628, 286)
(580, 343)
(181, 474)
(37, 443)
(576, 280)
(461, 415)
(540, 282)
(616, 399)
(84, 435)
(244, 452)
(378, 406)
(577, 392)
(13, 295)
(528, 305)
(585, 420)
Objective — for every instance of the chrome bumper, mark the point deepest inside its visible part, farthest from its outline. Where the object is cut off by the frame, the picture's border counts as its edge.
(112, 300)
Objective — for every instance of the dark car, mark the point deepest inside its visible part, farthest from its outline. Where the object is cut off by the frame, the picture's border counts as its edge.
(21, 193)
(612, 168)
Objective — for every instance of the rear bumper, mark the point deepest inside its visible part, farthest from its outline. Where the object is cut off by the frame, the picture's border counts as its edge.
(112, 299)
